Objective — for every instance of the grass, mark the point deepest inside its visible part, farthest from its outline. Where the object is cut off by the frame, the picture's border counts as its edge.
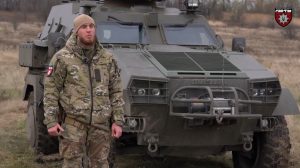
(15, 153)
(6, 94)
(173, 162)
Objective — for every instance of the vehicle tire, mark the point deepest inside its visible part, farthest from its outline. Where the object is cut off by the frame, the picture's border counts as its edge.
(270, 149)
(37, 133)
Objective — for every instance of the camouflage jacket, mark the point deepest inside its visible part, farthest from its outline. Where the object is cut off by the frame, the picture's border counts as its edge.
(76, 86)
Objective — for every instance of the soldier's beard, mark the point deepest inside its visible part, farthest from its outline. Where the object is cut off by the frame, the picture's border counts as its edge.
(87, 42)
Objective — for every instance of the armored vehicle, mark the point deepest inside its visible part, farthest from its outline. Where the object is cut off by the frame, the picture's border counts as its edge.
(185, 94)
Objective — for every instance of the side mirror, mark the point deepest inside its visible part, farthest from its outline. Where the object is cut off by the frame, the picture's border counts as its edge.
(221, 42)
(238, 44)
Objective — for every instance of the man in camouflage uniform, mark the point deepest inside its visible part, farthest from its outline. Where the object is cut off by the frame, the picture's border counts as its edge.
(84, 79)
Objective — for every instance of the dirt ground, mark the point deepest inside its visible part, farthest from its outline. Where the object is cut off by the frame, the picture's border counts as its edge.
(267, 45)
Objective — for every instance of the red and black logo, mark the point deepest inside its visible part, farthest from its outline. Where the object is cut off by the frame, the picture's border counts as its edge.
(283, 16)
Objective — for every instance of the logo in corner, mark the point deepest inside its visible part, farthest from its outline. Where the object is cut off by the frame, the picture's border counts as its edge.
(283, 16)
(50, 70)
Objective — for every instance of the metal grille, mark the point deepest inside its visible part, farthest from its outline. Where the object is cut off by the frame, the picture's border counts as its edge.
(212, 62)
(177, 61)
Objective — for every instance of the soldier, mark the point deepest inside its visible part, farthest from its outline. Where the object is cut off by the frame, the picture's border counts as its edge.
(84, 80)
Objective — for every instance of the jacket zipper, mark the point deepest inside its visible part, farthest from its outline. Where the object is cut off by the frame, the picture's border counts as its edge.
(91, 93)
(89, 62)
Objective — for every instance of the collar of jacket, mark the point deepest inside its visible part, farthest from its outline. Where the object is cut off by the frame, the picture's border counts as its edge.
(74, 48)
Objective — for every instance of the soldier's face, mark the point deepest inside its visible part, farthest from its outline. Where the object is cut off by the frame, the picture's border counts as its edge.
(86, 34)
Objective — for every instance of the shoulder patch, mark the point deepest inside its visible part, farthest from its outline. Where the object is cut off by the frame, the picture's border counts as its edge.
(52, 65)
(50, 70)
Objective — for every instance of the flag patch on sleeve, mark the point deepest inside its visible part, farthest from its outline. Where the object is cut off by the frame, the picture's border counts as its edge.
(50, 70)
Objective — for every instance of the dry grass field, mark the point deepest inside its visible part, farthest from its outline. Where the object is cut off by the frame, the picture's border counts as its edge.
(267, 45)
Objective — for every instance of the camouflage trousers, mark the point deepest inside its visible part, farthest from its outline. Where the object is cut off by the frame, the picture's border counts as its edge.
(84, 148)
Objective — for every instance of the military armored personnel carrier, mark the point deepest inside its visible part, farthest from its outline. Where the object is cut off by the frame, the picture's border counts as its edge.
(185, 94)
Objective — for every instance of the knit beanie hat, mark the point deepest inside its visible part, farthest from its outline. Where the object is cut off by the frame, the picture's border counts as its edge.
(81, 20)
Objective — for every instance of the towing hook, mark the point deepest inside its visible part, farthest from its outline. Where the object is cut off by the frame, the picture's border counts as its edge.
(219, 116)
(247, 146)
(248, 141)
(219, 119)
(152, 147)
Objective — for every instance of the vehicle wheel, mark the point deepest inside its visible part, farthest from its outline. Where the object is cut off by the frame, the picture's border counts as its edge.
(37, 133)
(270, 149)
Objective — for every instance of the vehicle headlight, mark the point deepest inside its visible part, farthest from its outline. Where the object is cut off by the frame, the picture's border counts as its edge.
(258, 92)
(271, 91)
(141, 92)
(268, 91)
(155, 92)
(132, 123)
(146, 91)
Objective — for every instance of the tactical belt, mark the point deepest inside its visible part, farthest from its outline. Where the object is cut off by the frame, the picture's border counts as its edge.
(80, 125)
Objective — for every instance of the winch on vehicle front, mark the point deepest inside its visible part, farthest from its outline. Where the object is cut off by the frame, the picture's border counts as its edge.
(209, 102)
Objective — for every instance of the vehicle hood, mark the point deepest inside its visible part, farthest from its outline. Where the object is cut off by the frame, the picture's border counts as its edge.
(175, 61)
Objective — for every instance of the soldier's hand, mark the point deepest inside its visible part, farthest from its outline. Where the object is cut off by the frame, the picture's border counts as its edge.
(55, 130)
(116, 131)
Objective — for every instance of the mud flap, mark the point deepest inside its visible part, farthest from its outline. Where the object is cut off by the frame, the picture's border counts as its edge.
(286, 105)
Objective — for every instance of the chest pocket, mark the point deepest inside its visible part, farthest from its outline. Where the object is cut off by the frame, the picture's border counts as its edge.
(101, 72)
